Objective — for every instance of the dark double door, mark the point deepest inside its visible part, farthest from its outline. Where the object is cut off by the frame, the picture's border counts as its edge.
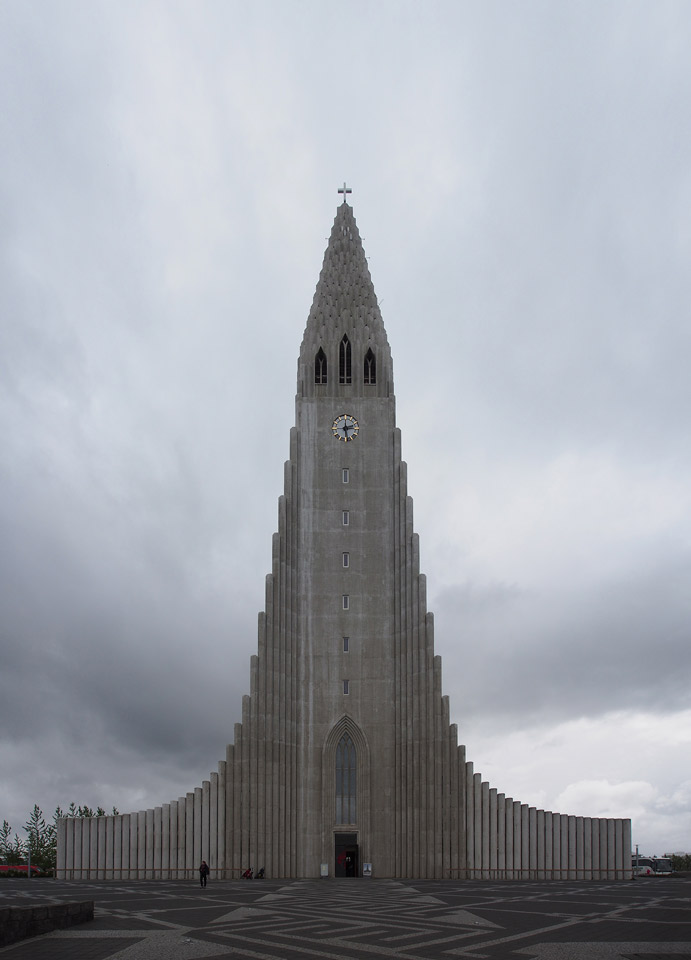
(347, 860)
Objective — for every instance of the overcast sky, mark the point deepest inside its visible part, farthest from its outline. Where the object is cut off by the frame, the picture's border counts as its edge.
(521, 177)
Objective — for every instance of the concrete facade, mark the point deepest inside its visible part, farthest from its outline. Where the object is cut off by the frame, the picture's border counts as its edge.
(345, 754)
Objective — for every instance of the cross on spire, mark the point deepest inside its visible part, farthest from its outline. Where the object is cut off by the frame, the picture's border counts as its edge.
(344, 190)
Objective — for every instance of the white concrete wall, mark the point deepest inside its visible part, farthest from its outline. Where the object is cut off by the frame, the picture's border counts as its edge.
(166, 842)
(508, 840)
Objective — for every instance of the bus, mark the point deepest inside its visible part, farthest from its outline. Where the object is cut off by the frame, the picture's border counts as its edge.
(651, 866)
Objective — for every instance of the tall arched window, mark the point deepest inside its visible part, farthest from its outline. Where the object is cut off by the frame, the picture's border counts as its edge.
(320, 367)
(344, 372)
(370, 368)
(346, 781)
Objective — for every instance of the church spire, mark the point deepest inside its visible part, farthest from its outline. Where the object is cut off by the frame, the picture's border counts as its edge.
(345, 306)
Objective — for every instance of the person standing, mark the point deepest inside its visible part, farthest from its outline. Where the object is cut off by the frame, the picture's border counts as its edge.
(204, 872)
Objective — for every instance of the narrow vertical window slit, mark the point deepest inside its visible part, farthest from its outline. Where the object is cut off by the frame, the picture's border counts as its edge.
(344, 362)
(370, 372)
(346, 776)
(320, 367)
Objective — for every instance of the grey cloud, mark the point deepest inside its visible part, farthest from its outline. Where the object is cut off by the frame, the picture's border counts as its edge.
(521, 185)
(534, 657)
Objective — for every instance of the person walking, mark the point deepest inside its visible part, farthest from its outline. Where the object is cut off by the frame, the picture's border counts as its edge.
(203, 872)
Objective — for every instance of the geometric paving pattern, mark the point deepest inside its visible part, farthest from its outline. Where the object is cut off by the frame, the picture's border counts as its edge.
(352, 919)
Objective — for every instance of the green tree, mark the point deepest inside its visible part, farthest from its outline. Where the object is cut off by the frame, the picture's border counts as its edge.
(5, 834)
(42, 839)
(12, 849)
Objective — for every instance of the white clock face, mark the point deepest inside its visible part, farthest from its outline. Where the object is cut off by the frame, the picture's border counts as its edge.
(345, 427)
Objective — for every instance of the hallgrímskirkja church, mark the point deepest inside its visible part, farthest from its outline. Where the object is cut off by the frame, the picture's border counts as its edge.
(345, 762)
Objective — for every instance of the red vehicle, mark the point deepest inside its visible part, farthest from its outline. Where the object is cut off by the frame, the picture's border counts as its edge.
(17, 868)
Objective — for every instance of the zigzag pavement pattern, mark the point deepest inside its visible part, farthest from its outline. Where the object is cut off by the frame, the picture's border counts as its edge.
(333, 920)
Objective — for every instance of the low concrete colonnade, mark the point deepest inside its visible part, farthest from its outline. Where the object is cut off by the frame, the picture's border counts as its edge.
(502, 839)
(166, 842)
(85, 873)
(510, 840)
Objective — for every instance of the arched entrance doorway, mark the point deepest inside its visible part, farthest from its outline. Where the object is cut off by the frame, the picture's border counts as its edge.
(346, 855)
(346, 800)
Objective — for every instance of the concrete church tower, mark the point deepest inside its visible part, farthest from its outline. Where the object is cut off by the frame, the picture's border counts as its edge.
(345, 755)
(346, 609)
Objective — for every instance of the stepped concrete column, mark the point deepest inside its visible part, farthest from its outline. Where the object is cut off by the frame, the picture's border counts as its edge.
(173, 833)
(92, 862)
(125, 846)
(556, 846)
(508, 837)
(164, 848)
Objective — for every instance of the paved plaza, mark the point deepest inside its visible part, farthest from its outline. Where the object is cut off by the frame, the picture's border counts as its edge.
(360, 918)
